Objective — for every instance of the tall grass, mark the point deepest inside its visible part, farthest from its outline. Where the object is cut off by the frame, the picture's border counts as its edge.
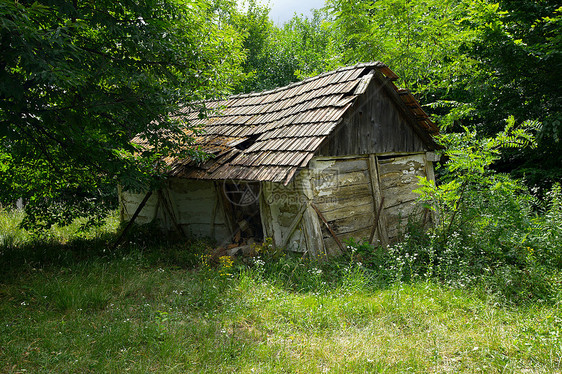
(12, 235)
(130, 313)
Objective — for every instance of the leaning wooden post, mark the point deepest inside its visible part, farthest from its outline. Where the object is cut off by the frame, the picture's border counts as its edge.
(338, 241)
(376, 223)
(133, 218)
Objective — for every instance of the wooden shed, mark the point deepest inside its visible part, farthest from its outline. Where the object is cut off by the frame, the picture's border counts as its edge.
(310, 164)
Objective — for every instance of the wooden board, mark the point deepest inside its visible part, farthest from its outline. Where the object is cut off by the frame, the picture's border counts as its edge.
(345, 192)
(338, 165)
(376, 123)
(348, 211)
(130, 202)
(380, 230)
(334, 203)
(324, 185)
(398, 181)
(359, 235)
(402, 165)
(193, 205)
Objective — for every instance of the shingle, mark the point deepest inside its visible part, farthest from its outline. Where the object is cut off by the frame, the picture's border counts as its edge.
(287, 125)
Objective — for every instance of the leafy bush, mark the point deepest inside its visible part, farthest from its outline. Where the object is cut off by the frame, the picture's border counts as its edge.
(487, 229)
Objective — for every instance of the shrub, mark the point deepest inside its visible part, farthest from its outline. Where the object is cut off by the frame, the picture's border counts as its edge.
(486, 231)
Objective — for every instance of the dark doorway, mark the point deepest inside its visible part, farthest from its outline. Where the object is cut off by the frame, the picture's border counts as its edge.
(243, 200)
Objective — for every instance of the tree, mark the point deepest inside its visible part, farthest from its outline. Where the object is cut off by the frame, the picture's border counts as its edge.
(418, 39)
(278, 56)
(473, 63)
(79, 79)
(519, 54)
(262, 68)
(315, 42)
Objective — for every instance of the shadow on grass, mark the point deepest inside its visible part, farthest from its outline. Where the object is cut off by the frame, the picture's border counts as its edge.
(145, 242)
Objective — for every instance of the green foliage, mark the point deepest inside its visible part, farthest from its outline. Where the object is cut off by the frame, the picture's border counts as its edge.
(78, 80)
(547, 233)
(151, 306)
(519, 57)
(278, 56)
(472, 63)
(315, 42)
(485, 226)
(468, 183)
(489, 232)
(419, 40)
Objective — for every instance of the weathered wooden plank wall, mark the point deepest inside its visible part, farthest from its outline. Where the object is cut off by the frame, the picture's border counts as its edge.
(398, 177)
(348, 191)
(282, 210)
(374, 124)
(193, 204)
(130, 201)
(342, 192)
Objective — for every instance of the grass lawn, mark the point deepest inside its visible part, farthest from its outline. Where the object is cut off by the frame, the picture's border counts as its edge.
(124, 315)
(72, 306)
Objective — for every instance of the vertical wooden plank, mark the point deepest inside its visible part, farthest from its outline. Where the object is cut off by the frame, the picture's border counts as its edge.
(329, 228)
(226, 208)
(377, 198)
(310, 221)
(429, 171)
(214, 214)
(313, 234)
(133, 218)
(296, 221)
(165, 201)
(430, 175)
(265, 211)
(156, 209)
(269, 210)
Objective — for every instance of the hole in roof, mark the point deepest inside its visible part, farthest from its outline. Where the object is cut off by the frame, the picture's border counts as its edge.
(351, 92)
(365, 71)
(247, 143)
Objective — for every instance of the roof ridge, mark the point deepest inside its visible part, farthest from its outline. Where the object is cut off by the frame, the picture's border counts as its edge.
(376, 64)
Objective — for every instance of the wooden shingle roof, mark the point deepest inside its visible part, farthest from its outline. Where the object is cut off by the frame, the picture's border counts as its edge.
(268, 136)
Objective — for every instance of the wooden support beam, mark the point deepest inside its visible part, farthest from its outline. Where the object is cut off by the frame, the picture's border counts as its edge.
(312, 230)
(214, 216)
(378, 200)
(338, 241)
(376, 223)
(167, 207)
(133, 218)
(293, 226)
(430, 175)
(121, 203)
(226, 208)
